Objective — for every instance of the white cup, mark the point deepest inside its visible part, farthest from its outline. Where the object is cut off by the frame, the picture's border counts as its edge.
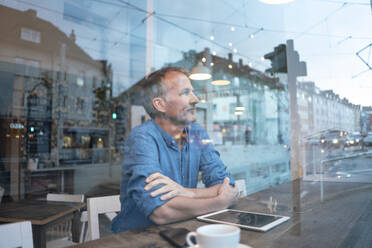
(217, 235)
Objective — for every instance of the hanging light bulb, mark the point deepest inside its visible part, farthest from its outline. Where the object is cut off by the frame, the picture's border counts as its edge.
(214, 53)
(276, 1)
(200, 72)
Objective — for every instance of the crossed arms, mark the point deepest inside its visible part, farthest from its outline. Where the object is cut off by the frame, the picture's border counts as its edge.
(188, 202)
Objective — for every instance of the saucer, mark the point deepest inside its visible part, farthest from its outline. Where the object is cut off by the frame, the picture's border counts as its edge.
(239, 246)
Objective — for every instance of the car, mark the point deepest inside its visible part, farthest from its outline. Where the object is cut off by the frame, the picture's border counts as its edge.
(333, 139)
(353, 139)
(368, 140)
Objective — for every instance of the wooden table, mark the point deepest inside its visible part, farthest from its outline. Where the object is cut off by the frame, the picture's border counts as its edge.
(42, 214)
(328, 214)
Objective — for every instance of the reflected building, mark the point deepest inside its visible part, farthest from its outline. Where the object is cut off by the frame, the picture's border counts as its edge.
(322, 110)
(48, 111)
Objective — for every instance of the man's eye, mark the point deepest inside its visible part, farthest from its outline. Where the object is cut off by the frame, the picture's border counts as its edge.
(186, 92)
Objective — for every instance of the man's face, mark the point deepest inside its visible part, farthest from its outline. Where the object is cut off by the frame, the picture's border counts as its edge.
(179, 98)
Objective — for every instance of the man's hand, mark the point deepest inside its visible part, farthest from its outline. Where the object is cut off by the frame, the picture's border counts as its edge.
(227, 193)
(170, 188)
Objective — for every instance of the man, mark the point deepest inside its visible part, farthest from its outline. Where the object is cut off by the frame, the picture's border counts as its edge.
(162, 159)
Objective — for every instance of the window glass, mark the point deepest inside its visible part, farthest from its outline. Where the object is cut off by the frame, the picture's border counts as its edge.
(289, 95)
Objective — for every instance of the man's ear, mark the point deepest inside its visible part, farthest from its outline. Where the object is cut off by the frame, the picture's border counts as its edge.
(159, 104)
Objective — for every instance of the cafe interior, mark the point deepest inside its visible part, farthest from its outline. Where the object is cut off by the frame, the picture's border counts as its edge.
(284, 89)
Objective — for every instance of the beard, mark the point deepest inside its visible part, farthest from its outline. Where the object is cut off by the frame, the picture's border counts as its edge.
(184, 118)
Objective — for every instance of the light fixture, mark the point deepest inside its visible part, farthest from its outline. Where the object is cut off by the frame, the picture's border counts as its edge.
(204, 60)
(232, 28)
(212, 37)
(239, 108)
(250, 64)
(230, 43)
(235, 50)
(251, 36)
(230, 66)
(214, 53)
(238, 113)
(200, 72)
(276, 1)
(221, 82)
(262, 59)
(211, 64)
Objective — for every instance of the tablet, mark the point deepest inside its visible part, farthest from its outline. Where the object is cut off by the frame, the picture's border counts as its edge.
(248, 220)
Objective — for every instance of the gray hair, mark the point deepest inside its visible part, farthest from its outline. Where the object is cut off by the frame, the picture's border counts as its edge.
(151, 87)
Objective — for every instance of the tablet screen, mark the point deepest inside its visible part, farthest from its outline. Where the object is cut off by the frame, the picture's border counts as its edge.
(244, 218)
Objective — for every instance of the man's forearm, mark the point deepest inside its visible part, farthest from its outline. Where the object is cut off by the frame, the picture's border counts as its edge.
(179, 208)
(205, 192)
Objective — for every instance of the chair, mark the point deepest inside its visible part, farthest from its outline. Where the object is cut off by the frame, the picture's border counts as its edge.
(1, 193)
(17, 234)
(63, 230)
(65, 197)
(241, 187)
(108, 205)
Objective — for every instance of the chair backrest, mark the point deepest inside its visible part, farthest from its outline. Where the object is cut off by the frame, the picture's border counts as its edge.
(65, 197)
(1, 193)
(17, 234)
(241, 187)
(108, 205)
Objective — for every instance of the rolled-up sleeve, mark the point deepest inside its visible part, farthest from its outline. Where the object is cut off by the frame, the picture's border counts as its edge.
(141, 161)
(212, 168)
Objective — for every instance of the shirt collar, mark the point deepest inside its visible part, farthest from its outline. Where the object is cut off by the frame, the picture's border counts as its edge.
(169, 140)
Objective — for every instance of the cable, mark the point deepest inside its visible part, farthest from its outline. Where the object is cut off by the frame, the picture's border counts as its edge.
(321, 21)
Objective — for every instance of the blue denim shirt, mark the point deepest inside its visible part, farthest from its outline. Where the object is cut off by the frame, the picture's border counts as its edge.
(150, 149)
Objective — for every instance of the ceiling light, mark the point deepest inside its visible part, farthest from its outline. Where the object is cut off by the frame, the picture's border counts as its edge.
(212, 37)
(200, 72)
(235, 50)
(276, 1)
(214, 53)
(250, 64)
(239, 108)
(238, 113)
(220, 82)
(251, 36)
(230, 66)
(211, 64)
(230, 43)
(233, 28)
(204, 60)
(262, 59)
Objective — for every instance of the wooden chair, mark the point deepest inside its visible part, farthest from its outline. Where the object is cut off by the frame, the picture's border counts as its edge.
(1, 193)
(108, 205)
(17, 234)
(65, 197)
(63, 231)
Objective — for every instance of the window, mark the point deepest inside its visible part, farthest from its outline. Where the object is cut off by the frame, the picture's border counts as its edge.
(30, 35)
(80, 104)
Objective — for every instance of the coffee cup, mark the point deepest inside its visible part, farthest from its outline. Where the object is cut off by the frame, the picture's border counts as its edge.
(216, 235)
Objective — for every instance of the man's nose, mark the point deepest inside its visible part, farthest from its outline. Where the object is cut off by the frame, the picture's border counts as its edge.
(194, 98)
